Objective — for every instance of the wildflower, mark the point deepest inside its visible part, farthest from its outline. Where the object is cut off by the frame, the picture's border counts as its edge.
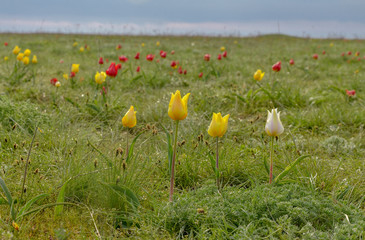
(72, 74)
(150, 57)
(173, 64)
(25, 60)
(273, 126)
(258, 75)
(324, 52)
(180, 70)
(291, 62)
(20, 56)
(75, 68)
(5, 44)
(350, 93)
(315, 56)
(118, 66)
(15, 226)
(58, 84)
(201, 75)
(16, 50)
(137, 56)
(54, 81)
(357, 54)
(6, 58)
(218, 126)
(276, 67)
(223, 49)
(27, 52)
(219, 57)
(65, 76)
(349, 53)
(100, 77)
(112, 71)
(163, 54)
(81, 49)
(118, 47)
(178, 108)
(224, 54)
(129, 120)
(75, 44)
(172, 52)
(123, 58)
(142, 44)
(158, 43)
(206, 57)
(34, 59)
(138, 69)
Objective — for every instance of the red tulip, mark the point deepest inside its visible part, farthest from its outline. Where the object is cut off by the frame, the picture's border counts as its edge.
(123, 58)
(201, 75)
(61, 61)
(101, 61)
(119, 46)
(342, 54)
(350, 93)
(185, 72)
(349, 53)
(291, 62)
(150, 57)
(357, 54)
(72, 75)
(359, 59)
(119, 66)
(173, 64)
(219, 57)
(163, 54)
(54, 81)
(315, 56)
(107, 60)
(172, 52)
(324, 52)
(207, 57)
(180, 70)
(5, 44)
(276, 67)
(225, 54)
(112, 71)
(137, 56)
(138, 69)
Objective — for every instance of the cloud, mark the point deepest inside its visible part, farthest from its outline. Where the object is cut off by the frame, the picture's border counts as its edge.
(321, 29)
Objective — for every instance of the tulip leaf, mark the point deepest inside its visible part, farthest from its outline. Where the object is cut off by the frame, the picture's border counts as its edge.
(289, 168)
(130, 152)
(73, 103)
(27, 206)
(169, 148)
(61, 198)
(241, 98)
(93, 107)
(6, 191)
(124, 192)
(212, 163)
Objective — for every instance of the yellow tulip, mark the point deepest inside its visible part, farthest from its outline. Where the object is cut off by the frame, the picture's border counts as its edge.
(129, 119)
(6, 58)
(142, 44)
(158, 43)
(75, 44)
(58, 84)
(178, 108)
(65, 76)
(273, 126)
(27, 52)
(223, 49)
(20, 56)
(16, 50)
(34, 59)
(100, 77)
(82, 49)
(75, 68)
(258, 75)
(218, 126)
(25, 60)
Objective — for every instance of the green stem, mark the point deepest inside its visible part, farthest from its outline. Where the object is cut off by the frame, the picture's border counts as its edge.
(173, 163)
(217, 165)
(271, 158)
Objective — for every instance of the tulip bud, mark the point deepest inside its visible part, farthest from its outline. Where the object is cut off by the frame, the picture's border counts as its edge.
(274, 127)
(129, 120)
(276, 67)
(218, 126)
(178, 108)
(258, 75)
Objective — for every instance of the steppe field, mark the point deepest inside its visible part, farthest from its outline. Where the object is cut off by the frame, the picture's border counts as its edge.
(70, 168)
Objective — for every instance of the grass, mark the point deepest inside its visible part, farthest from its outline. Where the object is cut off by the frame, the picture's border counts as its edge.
(80, 133)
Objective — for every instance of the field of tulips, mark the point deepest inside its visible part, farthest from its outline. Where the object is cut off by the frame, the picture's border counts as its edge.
(106, 137)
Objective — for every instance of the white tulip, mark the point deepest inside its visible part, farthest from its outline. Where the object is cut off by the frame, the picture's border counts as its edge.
(274, 127)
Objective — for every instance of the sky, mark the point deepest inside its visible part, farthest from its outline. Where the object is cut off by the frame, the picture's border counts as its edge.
(303, 18)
